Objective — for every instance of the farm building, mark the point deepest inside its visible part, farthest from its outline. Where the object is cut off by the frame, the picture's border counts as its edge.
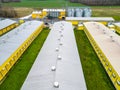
(7, 25)
(51, 13)
(14, 43)
(106, 44)
(77, 20)
(58, 65)
(98, 2)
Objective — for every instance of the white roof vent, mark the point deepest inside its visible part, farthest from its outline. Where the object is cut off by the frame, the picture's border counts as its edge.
(61, 35)
(3, 40)
(113, 40)
(60, 31)
(59, 57)
(7, 36)
(57, 49)
(59, 39)
(53, 68)
(56, 84)
(61, 43)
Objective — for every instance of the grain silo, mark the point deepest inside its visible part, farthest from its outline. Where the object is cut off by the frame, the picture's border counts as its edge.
(98, 2)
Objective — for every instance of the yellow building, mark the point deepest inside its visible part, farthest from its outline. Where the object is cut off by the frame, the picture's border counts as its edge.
(14, 43)
(6, 25)
(106, 45)
(59, 13)
(76, 20)
(80, 27)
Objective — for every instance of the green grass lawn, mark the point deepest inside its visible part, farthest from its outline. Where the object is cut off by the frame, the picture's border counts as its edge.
(18, 74)
(42, 4)
(95, 75)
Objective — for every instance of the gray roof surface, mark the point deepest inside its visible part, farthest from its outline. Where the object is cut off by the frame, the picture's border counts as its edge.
(5, 23)
(13, 39)
(91, 18)
(68, 72)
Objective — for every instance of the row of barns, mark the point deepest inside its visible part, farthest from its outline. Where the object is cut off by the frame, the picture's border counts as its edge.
(52, 65)
(58, 65)
(18, 39)
(97, 2)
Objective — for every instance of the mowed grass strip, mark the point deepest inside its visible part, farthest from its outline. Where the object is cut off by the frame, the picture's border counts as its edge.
(95, 75)
(18, 73)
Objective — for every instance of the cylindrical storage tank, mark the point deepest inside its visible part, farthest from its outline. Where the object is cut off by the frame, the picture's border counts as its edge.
(53, 12)
(69, 13)
(57, 13)
(87, 12)
(73, 12)
(79, 13)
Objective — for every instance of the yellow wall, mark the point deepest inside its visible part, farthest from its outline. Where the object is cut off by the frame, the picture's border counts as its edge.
(62, 14)
(6, 66)
(74, 22)
(39, 15)
(105, 23)
(80, 28)
(117, 29)
(8, 28)
(34, 16)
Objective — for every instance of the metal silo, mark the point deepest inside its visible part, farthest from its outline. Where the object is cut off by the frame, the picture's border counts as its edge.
(78, 12)
(87, 12)
(72, 12)
(69, 13)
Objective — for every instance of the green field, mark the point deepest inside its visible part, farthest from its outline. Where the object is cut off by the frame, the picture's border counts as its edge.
(97, 11)
(18, 73)
(106, 12)
(43, 4)
(95, 75)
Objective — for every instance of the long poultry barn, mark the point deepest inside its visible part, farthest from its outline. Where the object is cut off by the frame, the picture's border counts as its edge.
(15, 42)
(6, 25)
(76, 20)
(58, 65)
(106, 43)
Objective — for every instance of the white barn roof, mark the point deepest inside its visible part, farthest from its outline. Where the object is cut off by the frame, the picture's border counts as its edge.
(13, 39)
(5, 23)
(90, 18)
(59, 10)
(58, 52)
(108, 41)
(117, 24)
